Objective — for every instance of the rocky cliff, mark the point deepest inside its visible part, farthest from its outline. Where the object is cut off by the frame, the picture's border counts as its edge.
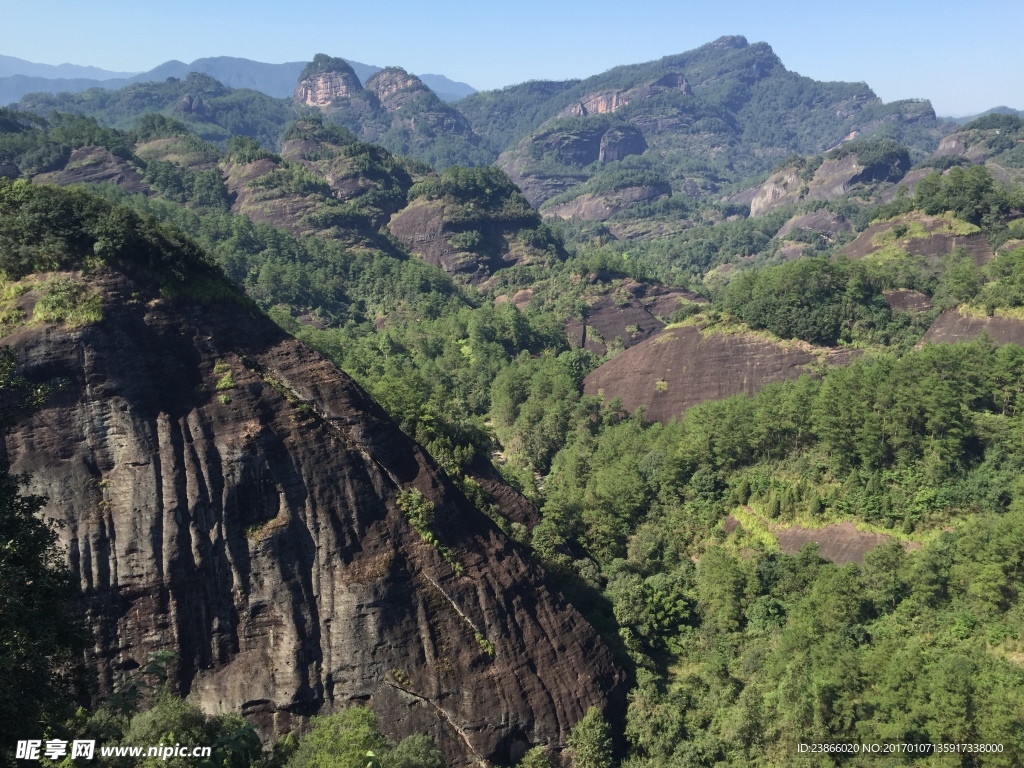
(323, 88)
(685, 365)
(917, 234)
(231, 496)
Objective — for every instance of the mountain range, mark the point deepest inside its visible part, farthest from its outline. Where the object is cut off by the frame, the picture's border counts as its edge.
(672, 415)
(19, 77)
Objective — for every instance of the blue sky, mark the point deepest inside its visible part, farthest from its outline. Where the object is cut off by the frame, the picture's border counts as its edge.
(964, 56)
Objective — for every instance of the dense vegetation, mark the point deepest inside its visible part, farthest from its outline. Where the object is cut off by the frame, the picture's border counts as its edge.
(663, 534)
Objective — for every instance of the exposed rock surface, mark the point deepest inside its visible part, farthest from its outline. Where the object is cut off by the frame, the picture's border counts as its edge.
(231, 496)
(603, 207)
(573, 146)
(919, 235)
(906, 300)
(322, 89)
(632, 312)
(422, 228)
(823, 221)
(604, 102)
(840, 543)
(832, 179)
(621, 142)
(683, 366)
(395, 87)
(96, 165)
(951, 327)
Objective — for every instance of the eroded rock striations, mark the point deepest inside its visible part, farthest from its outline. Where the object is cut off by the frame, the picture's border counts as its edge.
(323, 88)
(686, 365)
(231, 496)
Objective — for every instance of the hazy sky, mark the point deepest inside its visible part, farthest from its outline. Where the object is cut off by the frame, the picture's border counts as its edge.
(964, 56)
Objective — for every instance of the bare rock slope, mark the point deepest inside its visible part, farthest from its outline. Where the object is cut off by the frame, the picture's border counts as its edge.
(683, 366)
(230, 495)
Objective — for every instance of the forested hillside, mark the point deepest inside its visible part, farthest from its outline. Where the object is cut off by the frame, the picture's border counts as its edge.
(733, 356)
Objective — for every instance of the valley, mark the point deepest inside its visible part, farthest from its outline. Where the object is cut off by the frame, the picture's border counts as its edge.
(668, 416)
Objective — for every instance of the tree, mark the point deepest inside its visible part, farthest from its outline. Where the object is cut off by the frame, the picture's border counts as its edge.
(340, 739)
(37, 634)
(590, 741)
(537, 757)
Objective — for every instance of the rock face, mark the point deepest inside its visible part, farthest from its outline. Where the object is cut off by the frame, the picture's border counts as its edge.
(231, 496)
(621, 142)
(931, 237)
(824, 221)
(832, 179)
(906, 300)
(395, 87)
(96, 165)
(840, 543)
(951, 327)
(631, 312)
(573, 146)
(603, 207)
(683, 366)
(321, 89)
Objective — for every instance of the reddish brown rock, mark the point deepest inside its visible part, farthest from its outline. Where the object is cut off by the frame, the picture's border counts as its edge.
(395, 87)
(229, 495)
(97, 165)
(322, 89)
(951, 327)
(841, 543)
(823, 221)
(629, 313)
(832, 179)
(422, 228)
(906, 300)
(603, 207)
(938, 239)
(683, 366)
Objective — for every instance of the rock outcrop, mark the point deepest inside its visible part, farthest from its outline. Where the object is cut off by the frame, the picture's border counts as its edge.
(394, 88)
(627, 313)
(324, 88)
(602, 207)
(832, 179)
(917, 234)
(97, 165)
(619, 142)
(683, 366)
(952, 326)
(822, 221)
(229, 495)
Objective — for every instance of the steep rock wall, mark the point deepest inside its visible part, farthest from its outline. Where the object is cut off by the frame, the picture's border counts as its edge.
(231, 496)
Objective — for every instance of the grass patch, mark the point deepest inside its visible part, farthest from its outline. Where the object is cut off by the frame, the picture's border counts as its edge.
(67, 300)
(959, 227)
(909, 230)
(227, 378)
(756, 528)
(419, 511)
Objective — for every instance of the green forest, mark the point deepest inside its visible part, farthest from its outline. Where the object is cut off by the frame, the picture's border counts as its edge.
(664, 534)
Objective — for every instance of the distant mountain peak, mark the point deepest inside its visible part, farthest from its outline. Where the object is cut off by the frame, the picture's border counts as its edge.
(325, 79)
(394, 87)
(729, 41)
(322, 63)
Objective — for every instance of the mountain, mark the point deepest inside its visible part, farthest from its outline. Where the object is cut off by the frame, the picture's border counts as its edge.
(18, 78)
(684, 125)
(9, 65)
(394, 109)
(231, 496)
(14, 87)
(447, 89)
(1003, 110)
